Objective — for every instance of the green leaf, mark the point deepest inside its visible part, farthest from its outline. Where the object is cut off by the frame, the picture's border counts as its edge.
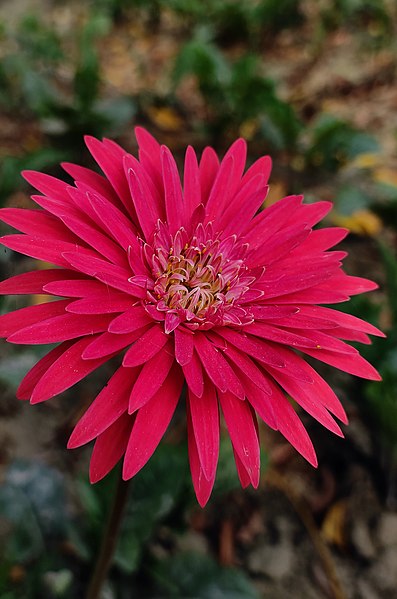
(350, 199)
(155, 493)
(195, 575)
(335, 142)
(44, 489)
(14, 367)
(390, 266)
(24, 540)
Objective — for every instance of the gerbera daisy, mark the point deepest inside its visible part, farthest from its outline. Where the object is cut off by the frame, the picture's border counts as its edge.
(192, 284)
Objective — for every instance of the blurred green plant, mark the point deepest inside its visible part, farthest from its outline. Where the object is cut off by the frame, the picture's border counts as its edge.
(236, 92)
(30, 82)
(333, 143)
(192, 575)
(374, 15)
(36, 524)
(382, 396)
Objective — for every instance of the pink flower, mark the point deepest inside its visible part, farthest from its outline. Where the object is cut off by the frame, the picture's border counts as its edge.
(190, 285)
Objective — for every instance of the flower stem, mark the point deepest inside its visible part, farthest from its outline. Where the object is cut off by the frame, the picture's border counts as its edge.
(109, 540)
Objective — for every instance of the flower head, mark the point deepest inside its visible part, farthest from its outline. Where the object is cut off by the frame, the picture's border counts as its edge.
(190, 284)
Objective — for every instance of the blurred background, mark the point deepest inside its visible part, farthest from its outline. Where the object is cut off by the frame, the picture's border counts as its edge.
(313, 83)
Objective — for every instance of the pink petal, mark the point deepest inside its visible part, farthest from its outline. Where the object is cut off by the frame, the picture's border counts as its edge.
(171, 322)
(65, 372)
(151, 378)
(91, 263)
(108, 343)
(100, 304)
(151, 422)
(90, 178)
(217, 368)
(341, 319)
(31, 379)
(221, 189)
(262, 167)
(202, 486)
(61, 328)
(280, 246)
(146, 347)
(321, 240)
(242, 473)
(240, 425)
(33, 282)
(107, 407)
(19, 319)
(112, 165)
(291, 427)
(191, 185)
(205, 419)
(132, 319)
(115, 223)
(228, 179)
(208, 167)
(174, 204)
(39, 248)
(50, 186)
(74, 287)
(242, 361)
(271, 220)
(144, 203)
(36, 223)
(121, 283)
(109, 447)
(311, 214)
(273, 333)
(245, 206)
(307, 398)
(97, 240)
(193, 373)
(272, 312)
(184, 346)
(253, 347)
(149, 150)
(351, 363)
(261, 402)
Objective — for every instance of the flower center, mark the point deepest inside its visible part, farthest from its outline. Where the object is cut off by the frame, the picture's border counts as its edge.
(199, 280)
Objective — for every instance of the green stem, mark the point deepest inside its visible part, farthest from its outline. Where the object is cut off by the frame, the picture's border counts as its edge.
(109, 540)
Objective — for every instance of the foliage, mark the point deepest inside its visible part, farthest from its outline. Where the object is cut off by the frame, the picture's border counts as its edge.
(236, 92)
(333, 143)
(194, 575)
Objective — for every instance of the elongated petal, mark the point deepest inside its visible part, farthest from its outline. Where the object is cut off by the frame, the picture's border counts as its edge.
(151, 378)
(65, 372)
(202, 486)
(184, 346)
(132, 319)
(191, 183)
(109, 405)
(146, 347)
(193, 373)
(31, 379)
(290, 426)
(174, 203)
(108, 343)
(34, 282)
(61, 328)
(19, 319)
(110, 447)
(101, 304)
(151, 422)
(205, 419)
(242, 431)
(217, 368)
